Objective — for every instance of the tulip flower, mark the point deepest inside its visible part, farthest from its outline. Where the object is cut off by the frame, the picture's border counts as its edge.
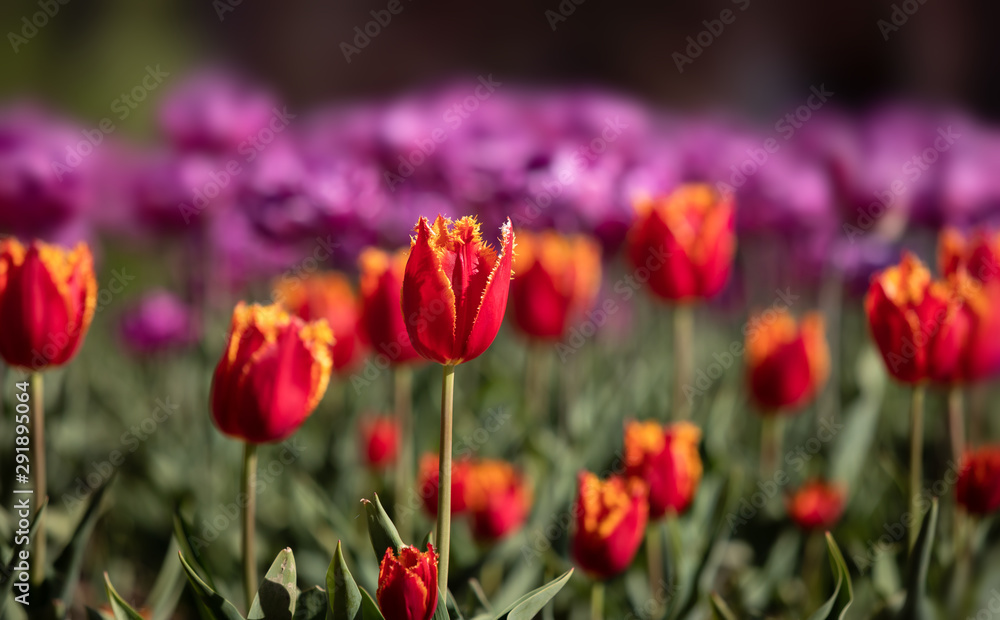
(978, 486)
(787, 361)
(48, 296)
(407, 584)
(817, 505)
(381, 318)
(666, 459)
(557, 280)
(610, 523)
(498, 499)
(159, 322)
(428, 485)
(380, 441)
(454, 295)
(327, 296)
(273, 372)
(978, 254)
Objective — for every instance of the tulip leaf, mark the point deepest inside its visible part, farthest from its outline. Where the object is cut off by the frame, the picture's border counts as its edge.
(720, 609)
(168, 587)
(93, 614)
(8, 584)
(531, 603)
(916, 570)
(345, 599)
(214, 603)
(369, 608)
(183, 537)
(67, 566)
(312, 604)
(278, 593)
(381, 530)
(121, 609)
(839, 567)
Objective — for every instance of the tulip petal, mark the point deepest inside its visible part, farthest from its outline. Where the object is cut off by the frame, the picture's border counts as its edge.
(493, 301)
(428, 300)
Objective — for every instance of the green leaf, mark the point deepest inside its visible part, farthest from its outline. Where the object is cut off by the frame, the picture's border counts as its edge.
(369, 608)
(278, 592)
(8, 584)
(312, 604)
(121, 609)
(183, 537)
(916, 570)
(93, 614)
(220, 608)
(168, 587)
(67, 565)
(839, 567)
(381, 530)
(531, 603)
(345, 599)
(720, 609)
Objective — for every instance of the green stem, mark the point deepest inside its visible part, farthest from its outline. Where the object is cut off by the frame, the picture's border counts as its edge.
(654, 560)
(597, 601)
(444, 477)
(249, 491)
(683, 359)
(812, 567)
(771, 438)
(916, 459)
(38, 430)
(403, 376)
(956, 422)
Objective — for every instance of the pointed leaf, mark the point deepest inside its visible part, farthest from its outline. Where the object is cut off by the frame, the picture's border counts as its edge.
(369, 608)
(916, 570)
(840, 570)
(121, 609)
(220, 608)
(345, 599)
(67, 565)
(531, 603)
(720, 609)
(168, 587)
(183, 537)
(313, 604)
(381, 530)
(8, 584)
(278, 592)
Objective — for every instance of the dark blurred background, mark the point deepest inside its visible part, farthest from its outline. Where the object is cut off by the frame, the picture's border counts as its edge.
(944, 52)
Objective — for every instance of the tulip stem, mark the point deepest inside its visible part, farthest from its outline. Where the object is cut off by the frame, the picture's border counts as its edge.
(249, 492)
(771, 438)
(444, 478)
(403, 376)
(654, 559)
(683, 359)
(916, 459)
(956, 422)
(38, 430)
(597, 601)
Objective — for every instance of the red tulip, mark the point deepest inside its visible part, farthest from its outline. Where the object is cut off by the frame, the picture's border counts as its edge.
(979, 254)
(380, 439)
(611, 520)
(455, 289)
(787, 362)
(48, 296)
(272, 374)
(327, 296)
(684, 242)
(498, 498)
(407, 585)
(978, 486)
(557, 281)
(381, 316)
(667, 460)
(427, 484)
(817, 505)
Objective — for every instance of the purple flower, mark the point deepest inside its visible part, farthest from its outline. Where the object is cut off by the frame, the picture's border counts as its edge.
(159, 322)
(176, 193)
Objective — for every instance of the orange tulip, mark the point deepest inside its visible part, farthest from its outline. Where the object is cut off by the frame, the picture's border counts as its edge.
(979, 254)
(978, 486)
(498, 498)
(381, 316)
(48, 296)
(611, 518)
(427, 484)
(684, 242)
(327, 296)
(380, 441)
(272, 374)
(455, 289)
(667, 460)
(407, 585)
(817, 505)
(557, 280)
(787, 362)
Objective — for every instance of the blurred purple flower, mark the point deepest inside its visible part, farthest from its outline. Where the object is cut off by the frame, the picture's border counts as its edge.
(157, 323)
(176, 193)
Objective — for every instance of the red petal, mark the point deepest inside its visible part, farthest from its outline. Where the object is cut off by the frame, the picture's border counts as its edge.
(428, 301)
(493, 301)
